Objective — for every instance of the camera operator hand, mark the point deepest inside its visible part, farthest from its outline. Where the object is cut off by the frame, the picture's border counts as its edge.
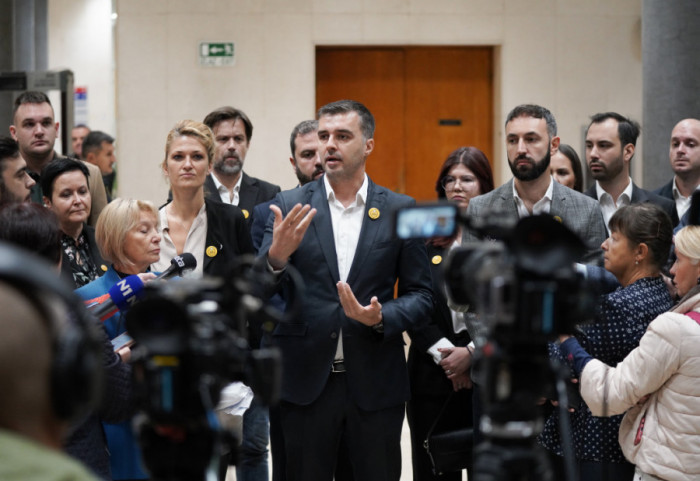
(288, 233)
(369, 315)
(456, 362)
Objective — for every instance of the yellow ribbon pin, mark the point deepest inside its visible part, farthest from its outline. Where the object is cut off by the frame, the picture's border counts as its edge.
(373, 213)
(558, 219)
(246, 214)
(436, 259)
(212, 251)
(104, 268)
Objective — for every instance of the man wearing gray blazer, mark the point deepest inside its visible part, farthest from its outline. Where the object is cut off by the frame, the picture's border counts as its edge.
(531, 138)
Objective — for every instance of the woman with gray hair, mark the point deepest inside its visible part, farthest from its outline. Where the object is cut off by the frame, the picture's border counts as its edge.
(127, 235)
(658, 383)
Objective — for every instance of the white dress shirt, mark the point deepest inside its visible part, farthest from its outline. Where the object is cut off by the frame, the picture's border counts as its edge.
(608, 205)
(682, 202)
(225, 194)
(347, 223)
(194, 243)
(542, 206)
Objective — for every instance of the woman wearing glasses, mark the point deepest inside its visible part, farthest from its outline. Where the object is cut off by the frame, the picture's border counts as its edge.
(438, 358)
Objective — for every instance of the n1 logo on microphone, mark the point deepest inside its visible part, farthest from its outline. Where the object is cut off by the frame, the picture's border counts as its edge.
(127, 291)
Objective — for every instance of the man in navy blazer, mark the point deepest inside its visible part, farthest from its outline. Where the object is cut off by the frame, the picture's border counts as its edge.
(610, 143)
(344, 367)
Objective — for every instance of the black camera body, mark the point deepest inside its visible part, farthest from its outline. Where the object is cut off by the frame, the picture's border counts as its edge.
(519, 289)
(191, 338)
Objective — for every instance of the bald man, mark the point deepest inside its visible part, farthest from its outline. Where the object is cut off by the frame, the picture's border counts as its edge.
(30, 431)
(684, 154)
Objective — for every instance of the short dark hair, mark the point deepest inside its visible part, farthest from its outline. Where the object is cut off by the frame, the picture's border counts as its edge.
(33, 227)
(30, 97)
(93, 141)
(627, 129)
(302, 128)
(645, 223)
(346, 106)
(9, 149)
(537, 112)
(570, 153)
(474, 160)
(229, 113)
(58, 167)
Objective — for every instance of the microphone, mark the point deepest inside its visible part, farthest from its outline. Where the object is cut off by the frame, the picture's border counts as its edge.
(124, 293)
(121, 296)
(179, 265)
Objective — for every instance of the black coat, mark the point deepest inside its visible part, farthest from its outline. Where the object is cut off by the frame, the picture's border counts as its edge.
(253, 191)
(640, 195)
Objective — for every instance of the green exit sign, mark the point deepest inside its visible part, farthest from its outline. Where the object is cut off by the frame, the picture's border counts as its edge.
(216, 54)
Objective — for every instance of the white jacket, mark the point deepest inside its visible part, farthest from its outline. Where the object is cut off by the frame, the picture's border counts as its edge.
(666, 365)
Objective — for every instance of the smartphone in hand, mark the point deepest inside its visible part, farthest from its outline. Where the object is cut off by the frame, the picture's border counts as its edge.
(121, 341)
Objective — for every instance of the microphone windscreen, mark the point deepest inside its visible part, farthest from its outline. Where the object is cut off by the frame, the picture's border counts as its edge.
(125, 292)
(184, 262)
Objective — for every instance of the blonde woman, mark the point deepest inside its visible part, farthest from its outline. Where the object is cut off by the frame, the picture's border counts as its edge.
(215, 233)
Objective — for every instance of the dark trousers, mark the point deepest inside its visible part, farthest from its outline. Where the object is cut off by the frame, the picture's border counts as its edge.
(313, 436)
(343, 468)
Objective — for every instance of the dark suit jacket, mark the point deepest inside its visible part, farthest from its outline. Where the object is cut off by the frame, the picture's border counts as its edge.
(428, 378)
(640, 195)
(261, 213)
(228, 232)
(375, 362)
(666, 190)
(253, 192)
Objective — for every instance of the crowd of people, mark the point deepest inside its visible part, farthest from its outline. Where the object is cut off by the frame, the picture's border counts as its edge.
(346, 382)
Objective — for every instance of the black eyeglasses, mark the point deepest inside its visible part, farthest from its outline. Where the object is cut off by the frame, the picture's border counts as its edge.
(449, 182)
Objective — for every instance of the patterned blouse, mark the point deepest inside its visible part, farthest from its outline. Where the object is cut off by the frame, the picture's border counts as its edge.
(81, 264)
(621, 322)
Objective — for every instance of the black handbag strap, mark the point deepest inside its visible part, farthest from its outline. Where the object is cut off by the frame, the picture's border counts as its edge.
(439, 416)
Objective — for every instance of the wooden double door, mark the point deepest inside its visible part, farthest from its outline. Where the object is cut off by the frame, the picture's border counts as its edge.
(427, 101)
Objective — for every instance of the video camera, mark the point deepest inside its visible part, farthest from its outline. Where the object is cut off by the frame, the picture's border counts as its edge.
(191, 340)
(519, 290)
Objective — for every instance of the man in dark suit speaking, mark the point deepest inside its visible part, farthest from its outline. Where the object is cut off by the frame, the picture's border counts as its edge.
(345, 372)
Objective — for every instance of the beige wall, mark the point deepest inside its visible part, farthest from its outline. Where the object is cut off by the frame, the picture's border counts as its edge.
(575, 57)
(80, 39)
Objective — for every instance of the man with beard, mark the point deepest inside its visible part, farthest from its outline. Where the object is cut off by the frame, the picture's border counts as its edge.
(306, 164)
(531, 138)
(15, 182)
(228, 183)
(610, 143)
(684, 154)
